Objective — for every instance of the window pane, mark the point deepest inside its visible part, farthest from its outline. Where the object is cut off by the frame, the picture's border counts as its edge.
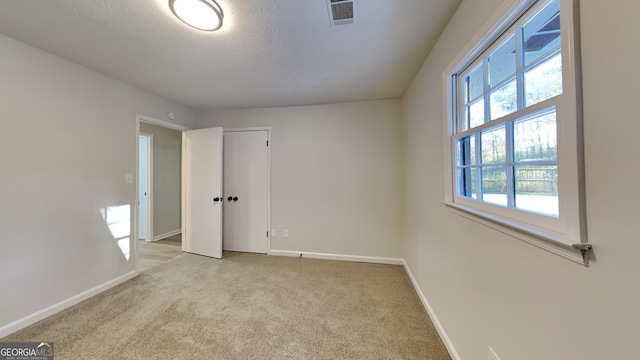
(466, 151)
(536, 139)
(543, 81)
(541, 34)
(474, 183)
(474, 85)
(467, 182)
(502, 62)
(461, 158)
(494, 147)
(476, 113)
(494, 185)
(504, 100)
(472, 149)
(537, 189)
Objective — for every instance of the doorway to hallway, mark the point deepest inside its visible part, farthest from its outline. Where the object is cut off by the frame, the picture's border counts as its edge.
(158, 187)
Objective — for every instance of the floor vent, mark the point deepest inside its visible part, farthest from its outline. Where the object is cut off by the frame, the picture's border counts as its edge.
(342, 12)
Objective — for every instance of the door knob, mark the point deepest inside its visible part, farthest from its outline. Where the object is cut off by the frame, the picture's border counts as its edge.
(235, 198)
(216, 199)
(229, 198)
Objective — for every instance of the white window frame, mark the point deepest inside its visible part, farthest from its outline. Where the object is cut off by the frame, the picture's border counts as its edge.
(566, 233)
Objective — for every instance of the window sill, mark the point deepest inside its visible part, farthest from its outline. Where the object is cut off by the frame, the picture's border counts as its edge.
(543, 240)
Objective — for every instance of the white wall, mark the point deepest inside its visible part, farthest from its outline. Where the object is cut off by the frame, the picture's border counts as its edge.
(68, 138)
(487, 288)
(336, 179)
(167, 149)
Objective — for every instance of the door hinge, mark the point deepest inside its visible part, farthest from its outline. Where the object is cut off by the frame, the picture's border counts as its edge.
(267, 142)
(267, 234)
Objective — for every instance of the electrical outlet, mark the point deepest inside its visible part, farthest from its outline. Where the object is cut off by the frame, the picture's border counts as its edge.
(285, 233)
(273, 233)
(492, 354)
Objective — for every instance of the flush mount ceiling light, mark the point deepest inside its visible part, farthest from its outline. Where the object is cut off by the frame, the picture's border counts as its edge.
(204, 15)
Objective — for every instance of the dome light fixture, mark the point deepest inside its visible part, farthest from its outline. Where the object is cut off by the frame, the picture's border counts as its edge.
(203, 15)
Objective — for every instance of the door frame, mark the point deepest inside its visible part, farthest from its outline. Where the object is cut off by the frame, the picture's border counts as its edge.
(268, 130)
(149, 197)
(136, 213)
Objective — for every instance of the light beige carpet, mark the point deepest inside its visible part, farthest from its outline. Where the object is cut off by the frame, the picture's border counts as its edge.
(248, 306)
(156, 253)
(171, 240)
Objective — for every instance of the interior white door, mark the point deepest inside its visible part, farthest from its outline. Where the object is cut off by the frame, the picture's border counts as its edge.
(202, 183)
(246, 189)
(143, 180)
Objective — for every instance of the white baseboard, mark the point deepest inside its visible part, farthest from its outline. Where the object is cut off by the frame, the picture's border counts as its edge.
(64, 304)
(312, 255)
(166, 235)
(432, 315)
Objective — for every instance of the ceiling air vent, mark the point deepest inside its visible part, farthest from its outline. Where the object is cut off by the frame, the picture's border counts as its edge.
(341, 12)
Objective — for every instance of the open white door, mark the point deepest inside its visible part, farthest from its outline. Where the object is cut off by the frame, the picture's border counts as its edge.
(145, 176)
(202, 191)
(143, 180)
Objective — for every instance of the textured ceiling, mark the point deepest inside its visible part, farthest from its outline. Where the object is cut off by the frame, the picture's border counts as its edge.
(268, 52)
